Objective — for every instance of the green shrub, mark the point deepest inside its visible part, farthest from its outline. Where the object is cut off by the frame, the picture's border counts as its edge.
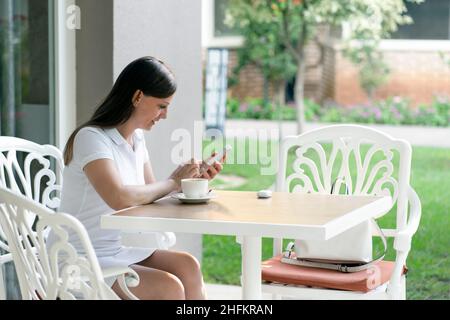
(312, 110)
(332, 114)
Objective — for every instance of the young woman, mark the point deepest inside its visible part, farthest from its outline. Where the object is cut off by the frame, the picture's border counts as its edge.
(108, 169)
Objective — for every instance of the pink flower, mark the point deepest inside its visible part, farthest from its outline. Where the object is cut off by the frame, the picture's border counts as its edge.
(442, 99)
(243, 107)
(257, 109)
(377, 113)
(396, 114)
(397, 99)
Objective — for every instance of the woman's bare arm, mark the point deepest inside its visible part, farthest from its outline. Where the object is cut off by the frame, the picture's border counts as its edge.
(149, 177)
(105, 179)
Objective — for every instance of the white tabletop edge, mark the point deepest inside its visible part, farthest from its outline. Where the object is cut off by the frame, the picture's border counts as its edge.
(231, 228)
(374, 209)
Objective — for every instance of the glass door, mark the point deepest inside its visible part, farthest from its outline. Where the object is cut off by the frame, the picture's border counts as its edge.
(26, 67)
(26, 81)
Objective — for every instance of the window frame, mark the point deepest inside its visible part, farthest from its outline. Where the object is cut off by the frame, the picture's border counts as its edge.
(418, 44)
(63, 81)
(404, 44)
(209, 39)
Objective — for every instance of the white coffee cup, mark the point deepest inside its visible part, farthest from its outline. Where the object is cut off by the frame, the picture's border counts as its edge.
(194, 188)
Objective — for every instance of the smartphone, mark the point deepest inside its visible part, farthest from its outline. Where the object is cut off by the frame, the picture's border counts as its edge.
(210, 161)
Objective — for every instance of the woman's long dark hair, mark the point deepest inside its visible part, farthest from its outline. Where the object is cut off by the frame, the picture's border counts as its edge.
(147, 74)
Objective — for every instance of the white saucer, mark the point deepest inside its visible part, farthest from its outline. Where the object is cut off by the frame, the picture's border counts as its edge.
(180, 196)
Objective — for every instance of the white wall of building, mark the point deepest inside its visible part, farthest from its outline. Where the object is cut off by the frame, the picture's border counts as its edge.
(170, 31)
(94, 47)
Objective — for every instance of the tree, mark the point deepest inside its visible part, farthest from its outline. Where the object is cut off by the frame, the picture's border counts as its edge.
(262, 49)
(290, 24)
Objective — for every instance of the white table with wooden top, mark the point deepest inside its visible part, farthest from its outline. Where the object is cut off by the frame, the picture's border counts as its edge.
(242, 214)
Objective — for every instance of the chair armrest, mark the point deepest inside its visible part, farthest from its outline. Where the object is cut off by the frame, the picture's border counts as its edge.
(403, 238)
(3, 245)
(4, 258)
(7, 257)
(169, 239)
(402, 243)
(126, 277)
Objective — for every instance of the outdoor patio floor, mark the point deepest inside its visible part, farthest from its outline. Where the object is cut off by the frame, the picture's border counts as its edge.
(227, 292)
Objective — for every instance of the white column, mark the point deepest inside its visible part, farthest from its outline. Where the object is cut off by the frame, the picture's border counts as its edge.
(65, 72)
(170, 31)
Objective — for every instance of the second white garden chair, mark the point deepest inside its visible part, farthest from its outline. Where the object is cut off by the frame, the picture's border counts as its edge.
(381, 166)
(57, 271)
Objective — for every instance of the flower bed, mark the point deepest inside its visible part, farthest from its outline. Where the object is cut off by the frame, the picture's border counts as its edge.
(394, 111)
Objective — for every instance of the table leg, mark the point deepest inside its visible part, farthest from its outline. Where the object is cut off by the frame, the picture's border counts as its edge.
(251, 268)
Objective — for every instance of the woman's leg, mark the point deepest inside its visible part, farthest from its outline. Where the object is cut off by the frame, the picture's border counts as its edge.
(182, 265)
(154, 285)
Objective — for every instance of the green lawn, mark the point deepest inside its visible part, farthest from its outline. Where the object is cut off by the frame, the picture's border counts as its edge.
(428, 262)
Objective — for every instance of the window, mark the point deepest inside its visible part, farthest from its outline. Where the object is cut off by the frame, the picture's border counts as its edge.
(431, 21)
(26, 105)
(216, 32)
(221, 28)
(25, 100)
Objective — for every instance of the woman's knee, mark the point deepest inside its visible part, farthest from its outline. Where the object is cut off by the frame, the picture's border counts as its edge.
(189, 265)
(172, 288)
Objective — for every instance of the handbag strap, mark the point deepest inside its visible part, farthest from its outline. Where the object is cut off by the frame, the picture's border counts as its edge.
(342, 267)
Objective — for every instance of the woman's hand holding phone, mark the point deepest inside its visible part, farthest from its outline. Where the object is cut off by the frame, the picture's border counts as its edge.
(213, 165)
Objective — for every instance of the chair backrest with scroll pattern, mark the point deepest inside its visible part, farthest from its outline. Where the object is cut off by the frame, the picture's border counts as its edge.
(26, 168)
(55, 271)
(357, 157)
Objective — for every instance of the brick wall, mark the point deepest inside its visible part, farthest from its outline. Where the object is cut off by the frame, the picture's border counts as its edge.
(251, 82)
(313, 72)
(417, 75)
(326, 86)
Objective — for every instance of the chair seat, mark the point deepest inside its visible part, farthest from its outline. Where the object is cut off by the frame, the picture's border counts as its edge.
(273, 270)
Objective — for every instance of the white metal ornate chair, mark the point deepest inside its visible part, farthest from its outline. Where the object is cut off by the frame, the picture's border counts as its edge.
(26, 168)
(29, 178)
(57, 271)
(328, 155)
(35, 171)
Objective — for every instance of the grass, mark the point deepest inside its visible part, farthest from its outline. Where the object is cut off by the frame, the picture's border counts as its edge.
(428, 261)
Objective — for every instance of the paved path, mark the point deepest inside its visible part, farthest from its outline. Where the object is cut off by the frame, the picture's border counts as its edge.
(416, 135)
